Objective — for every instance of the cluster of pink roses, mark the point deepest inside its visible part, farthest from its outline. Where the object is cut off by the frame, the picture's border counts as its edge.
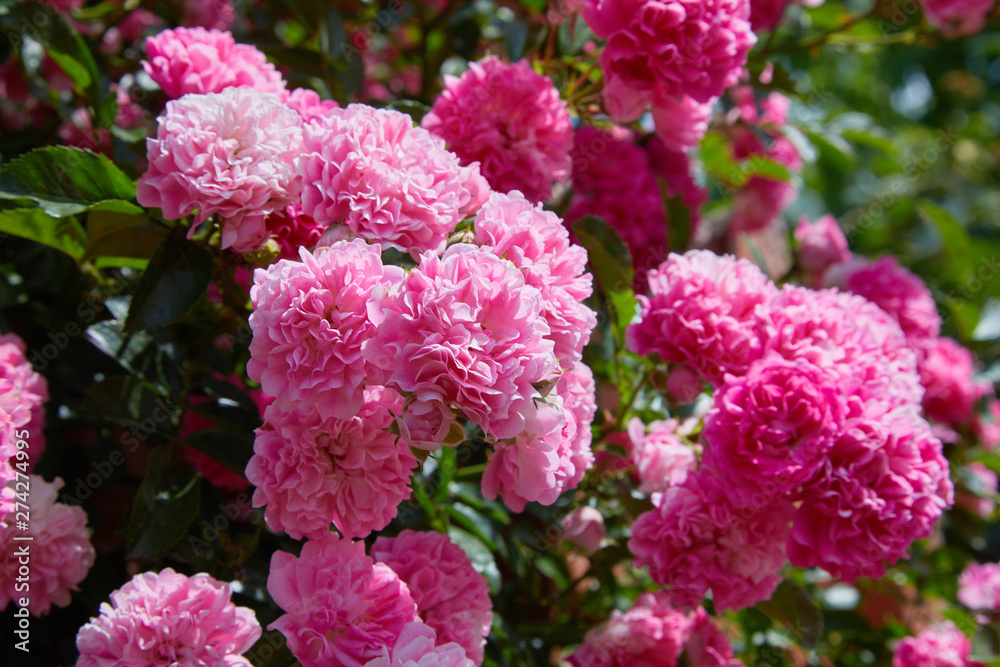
(61, 552)
(815, 450)
(355, 352)
(416, 595)
(294, 166)
(653, 632)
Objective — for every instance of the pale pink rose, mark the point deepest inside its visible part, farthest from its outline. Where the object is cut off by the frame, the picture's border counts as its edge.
(946, 370)
(310, 472)
(536, 465)
(821, 244)
(672, 47)
(660, 457)
(60, 550)
(311, 324)
(578, 392)
(231, 154)
(464, 329)
(452, 598)
(942, 645)
(341, 607)
(584, 527)
(702, 310)
(957, 18)
(652, 633)
(23, 394)
(696, 539)
(169, 618)
(417, 647)
(196, 60)
(979, 586)
(537, 243)
(898, 292)
(510, 120)
(884, 485)
(307, 103)
(391, 183)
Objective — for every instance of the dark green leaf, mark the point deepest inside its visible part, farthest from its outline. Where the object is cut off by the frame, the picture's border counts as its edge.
(131, 240)
(46, 26)
(34, 224)
(962, 620)
(954, 238)
(230, 448)
(515, 38)
(797, 611)
(609, 259)
(176, 278)
(124, 399)
(65, 181)
(165, 505)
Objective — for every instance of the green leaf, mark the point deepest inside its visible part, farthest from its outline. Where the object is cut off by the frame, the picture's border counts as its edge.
(611, 263)
(124, 399)
(962, 621)
(479, 555)
(515, 38)
(118, 235)
(176, 278)
(34, 224)
(230, 448)
(46, 26)
(165, 505)
(797, 611)
(65, 181)
(954, 238)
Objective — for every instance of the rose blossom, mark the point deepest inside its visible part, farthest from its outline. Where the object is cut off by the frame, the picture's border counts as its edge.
(957, 18)
(341, 606)
(848, 335)
(465, 329)
(769, 430)
(233, 154)
(696, 539)
(672, 47)
(584, 527)
(307, 103)
(391, 183)
(196, 60)
(979, 586)
(942, 645)
(537, 243)
(821, 244)
(652, 633)
(23, 394)
(897, 291)
(61, 552)
(451, 597)
(946, 370)
(884, 485)
(169, 618)
(208, 13)
(310, 325)
(417, 647)
(660, 457)
(681, 122)
(310, 472)
(510, 120)
(701, 310)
